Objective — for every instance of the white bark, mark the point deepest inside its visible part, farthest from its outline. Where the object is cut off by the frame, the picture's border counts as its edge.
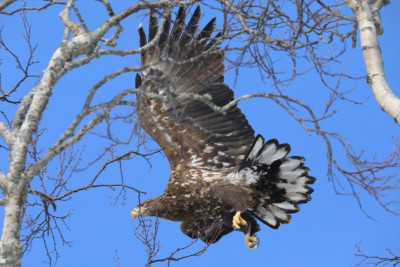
(369, 28)
(5, 3)
(3, 182)
(25, 125)
(15, 184)
(5, 133)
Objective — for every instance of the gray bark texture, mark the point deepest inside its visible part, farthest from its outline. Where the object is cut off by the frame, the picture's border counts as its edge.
(369, 24)
(16, 182)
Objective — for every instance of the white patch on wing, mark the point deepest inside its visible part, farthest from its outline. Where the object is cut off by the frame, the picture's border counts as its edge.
(243, 177)
(153, 105)
(248, 176)
(231, 133)
(219, 144)
(189, 182)
(251, 176)
(195, 161)
(208, 149)
(220, 153)
(226, 164)
(209, 176)
(217, 162)
(233, 177)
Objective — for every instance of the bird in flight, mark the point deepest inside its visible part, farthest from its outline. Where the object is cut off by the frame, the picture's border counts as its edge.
(223, 177)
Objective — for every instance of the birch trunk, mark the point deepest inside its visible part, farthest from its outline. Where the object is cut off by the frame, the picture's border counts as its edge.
(369, 29)
(11, 246)
(16, 183)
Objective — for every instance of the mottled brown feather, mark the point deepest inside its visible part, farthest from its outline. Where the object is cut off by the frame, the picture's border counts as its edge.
(187, 62)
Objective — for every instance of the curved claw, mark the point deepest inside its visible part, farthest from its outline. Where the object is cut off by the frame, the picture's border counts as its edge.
(238, 222)
(252, 242)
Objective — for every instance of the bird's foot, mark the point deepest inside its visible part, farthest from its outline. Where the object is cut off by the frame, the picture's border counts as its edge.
(238, 222)
(251, 242)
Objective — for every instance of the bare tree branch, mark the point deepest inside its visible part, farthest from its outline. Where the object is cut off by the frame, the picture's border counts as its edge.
(377, 261)
(5, 3)
(5, 133)
(23, 67)
(27, 8)
(367, 24)
(173, 258)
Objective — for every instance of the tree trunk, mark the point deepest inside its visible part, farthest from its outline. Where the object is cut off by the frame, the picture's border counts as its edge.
(10, 246)
(376, 78)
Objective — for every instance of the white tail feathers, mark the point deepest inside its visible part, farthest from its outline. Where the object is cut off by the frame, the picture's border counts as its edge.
(256, 147)
(281, 181)
(266, 153)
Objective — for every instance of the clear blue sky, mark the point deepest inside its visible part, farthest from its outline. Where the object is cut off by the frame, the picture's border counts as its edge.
(323, 233)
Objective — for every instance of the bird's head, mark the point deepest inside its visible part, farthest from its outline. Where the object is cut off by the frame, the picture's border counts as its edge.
(145, 208)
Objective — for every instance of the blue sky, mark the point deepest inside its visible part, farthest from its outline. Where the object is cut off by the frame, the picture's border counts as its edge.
(323, 233)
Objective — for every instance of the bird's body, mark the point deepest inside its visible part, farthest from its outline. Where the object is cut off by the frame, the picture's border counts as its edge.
(222, 176)
(184, 204)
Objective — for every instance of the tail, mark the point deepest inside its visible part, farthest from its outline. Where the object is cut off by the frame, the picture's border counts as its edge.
(280, 181)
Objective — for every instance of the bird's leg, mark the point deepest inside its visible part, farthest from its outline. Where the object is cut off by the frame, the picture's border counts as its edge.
(251, 242)
(238, 222)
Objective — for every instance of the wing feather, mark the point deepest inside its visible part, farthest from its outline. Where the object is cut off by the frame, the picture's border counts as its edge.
(191, 28)
(178, 26)
(185, 63)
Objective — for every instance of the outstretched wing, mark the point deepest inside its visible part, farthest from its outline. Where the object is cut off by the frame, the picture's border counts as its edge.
(182, 82)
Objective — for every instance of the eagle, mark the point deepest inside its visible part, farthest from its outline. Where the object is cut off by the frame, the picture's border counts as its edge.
(223, 177)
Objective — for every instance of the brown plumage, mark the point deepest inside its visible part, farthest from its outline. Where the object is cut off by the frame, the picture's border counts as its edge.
(220, 172)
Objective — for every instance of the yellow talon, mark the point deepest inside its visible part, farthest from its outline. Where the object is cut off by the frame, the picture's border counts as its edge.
(238, 222)
(251, 242)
